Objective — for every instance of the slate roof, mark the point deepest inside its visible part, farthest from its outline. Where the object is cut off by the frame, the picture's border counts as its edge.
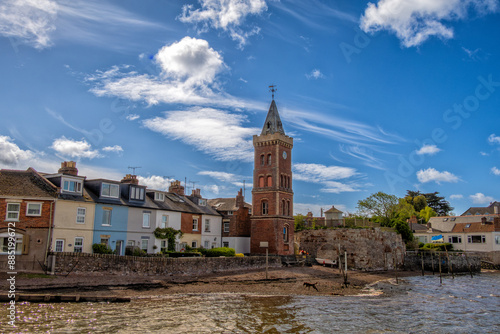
(225, 204)
(174, 202)
(27, 183)
(485, 210)
(333, 210)
(273, 122)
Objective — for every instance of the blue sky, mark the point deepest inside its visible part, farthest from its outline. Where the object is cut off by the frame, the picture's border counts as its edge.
(386, 96)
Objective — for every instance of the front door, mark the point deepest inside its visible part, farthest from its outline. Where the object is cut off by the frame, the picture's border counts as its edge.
(118, 250)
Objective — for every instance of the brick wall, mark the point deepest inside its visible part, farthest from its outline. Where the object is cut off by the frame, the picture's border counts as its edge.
(125, 265)
(25, 221)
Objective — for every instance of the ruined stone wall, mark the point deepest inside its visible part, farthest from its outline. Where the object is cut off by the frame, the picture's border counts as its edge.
(454, 262)
(367, 249)
(125, 265)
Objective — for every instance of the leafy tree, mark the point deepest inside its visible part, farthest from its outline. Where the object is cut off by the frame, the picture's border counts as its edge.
(419, 202)
(437, 203)
(404, 210)
(380, 206)
(403, 228)
(427, 213)
(300, 223)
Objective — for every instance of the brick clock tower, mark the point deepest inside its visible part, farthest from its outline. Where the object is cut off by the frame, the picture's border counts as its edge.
(272, 196)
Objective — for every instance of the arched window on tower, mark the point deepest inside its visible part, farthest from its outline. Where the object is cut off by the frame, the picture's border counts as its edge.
(269, 159)
(261, 181)
(281, 180)
(288, 208)
(265, 207)
(283, 207)
(285, 233)
(262, 160)
(269, 181)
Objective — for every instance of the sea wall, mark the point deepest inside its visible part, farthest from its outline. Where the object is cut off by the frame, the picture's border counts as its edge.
(63, 263)
(456, 262)
(367, 249)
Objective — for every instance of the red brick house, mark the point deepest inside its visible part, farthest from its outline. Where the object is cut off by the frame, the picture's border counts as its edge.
(27, 204)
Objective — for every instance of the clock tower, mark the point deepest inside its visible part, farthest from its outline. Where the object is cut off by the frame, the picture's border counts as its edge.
(272, 196)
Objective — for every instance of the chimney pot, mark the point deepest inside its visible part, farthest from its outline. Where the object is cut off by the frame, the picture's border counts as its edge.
(69, 168)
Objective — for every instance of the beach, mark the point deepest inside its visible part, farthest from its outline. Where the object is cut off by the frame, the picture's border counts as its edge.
(284, 281)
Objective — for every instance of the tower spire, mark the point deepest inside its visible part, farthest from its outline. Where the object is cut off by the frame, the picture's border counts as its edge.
(273, 121)
(272, 89)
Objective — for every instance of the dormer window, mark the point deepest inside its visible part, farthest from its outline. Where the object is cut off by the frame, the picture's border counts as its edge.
(72, 186)
(202, 202)
(137, 193)
(159, 197)
(110, 190)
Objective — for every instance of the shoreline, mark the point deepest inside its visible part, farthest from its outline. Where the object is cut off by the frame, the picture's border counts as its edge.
(284, 281)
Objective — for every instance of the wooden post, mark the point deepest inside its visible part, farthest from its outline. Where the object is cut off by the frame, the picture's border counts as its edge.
(440, 277)
(422, 257)
(432, 261)
(396, 267)
(468, 264)
(267, 262)
(345, 271)
(450, 265)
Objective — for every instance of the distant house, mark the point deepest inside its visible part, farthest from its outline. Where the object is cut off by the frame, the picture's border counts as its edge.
(211, 221)
(236, 226)
(74, 216)
(492, 209)
(333, 217)
(483, 236)
(27, 204)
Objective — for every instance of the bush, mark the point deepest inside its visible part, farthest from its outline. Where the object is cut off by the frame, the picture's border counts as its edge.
(221, 251)
(101, 249)
(438, 247)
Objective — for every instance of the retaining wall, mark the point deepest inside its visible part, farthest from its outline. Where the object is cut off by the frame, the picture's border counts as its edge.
(61, 263)
(455, 262)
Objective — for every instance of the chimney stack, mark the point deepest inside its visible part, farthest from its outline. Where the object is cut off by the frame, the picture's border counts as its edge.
(240, 202)
(176, 187)
(69, 168)
(196, 193)
(130, 179)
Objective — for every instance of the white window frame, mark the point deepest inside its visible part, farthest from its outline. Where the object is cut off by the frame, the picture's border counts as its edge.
(194, 244)
(80, 246)
(202, 202)
(137, 193)
(226, 224)
(206, 244)
(163, 245)
(112, 191)
(4, 245)
(195, 224)
(80, 215)
(164, 221)
(459, 239)
(61, 243)
(159, 196)
(483, 239)
(207, 225)
(146, 223)
(147, 244)
(39, 204)
(108, 223)
(67, 186)
(9, 212)
(497, 239)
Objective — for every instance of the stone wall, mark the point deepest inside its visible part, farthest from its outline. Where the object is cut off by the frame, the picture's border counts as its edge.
(62, 263)
(455, 262)
(367, 249)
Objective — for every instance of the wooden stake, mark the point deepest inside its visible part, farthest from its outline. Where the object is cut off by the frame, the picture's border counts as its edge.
(468, 264)
(432, 261)
(422, 257)
(440, 277)
(450, 265)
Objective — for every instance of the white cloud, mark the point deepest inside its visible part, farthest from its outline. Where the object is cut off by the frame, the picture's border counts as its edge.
(227, 15)
(324, 175)
(188, 75)
(132, 117)
(430, 174)
(74, 148)
(495, 171)
(414, 22)
(215, 132)
(480, 198)
(234, 179)
(155, 182)
(315, 74)
(494, 139)
(116, 148)
(11, 154)
(29, 21)
(456, 196)
(428, 149)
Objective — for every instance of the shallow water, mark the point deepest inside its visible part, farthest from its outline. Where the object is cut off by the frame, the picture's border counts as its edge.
(460, 305)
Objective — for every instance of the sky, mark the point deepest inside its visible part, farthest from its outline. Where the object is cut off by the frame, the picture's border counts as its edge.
(387, 95)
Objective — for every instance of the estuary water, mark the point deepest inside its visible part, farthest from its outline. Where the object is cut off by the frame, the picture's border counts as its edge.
(459, 305)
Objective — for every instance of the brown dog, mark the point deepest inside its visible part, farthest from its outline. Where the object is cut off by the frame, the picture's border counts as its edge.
(308, 285)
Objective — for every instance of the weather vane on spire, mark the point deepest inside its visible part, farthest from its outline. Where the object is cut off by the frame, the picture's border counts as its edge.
(273, 89)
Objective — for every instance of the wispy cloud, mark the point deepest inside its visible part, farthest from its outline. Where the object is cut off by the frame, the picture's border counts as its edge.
(231, 178)
(494, 139)
(217, 133)
(132, 117)
(315, 74)
(327, 176)
(115, 148)
(413, 22)
(495, 171)
(456, 196)
(480, 198)
(363, 154)
(38, 23)
(431, 174)
(227, 15)
(428, 149)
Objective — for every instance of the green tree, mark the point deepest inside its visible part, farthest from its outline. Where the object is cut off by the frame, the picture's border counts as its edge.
(380, 206)
(300, 223)
(419, 202)
(404, 210)
(437, 203)
(427, 213)
(402, 228)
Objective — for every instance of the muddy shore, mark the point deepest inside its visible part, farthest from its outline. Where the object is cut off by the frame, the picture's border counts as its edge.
(280, 281)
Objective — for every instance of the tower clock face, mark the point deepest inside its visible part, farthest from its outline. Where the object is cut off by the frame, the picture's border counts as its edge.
(284, 155)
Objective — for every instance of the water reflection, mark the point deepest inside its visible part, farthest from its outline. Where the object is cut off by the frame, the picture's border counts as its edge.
(460, 305)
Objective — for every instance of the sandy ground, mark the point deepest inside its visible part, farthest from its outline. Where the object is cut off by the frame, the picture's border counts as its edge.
(280, 281)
